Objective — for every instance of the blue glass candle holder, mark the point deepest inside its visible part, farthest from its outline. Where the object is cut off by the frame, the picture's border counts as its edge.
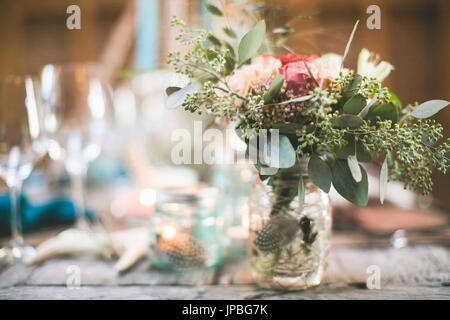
(186, 232)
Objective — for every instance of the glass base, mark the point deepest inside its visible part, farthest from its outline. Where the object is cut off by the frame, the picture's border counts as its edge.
(289, 283)
(16, 253)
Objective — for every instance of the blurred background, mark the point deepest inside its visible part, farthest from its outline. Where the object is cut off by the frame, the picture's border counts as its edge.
(136, 34)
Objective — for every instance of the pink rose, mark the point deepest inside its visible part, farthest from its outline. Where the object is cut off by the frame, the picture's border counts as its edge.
(297, 77)
(290, 57)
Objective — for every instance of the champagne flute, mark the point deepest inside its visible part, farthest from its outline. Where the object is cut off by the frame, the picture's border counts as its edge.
(78, 101)
(22, 144)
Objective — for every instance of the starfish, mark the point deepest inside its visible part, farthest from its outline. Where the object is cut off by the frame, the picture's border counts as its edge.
(129, 245)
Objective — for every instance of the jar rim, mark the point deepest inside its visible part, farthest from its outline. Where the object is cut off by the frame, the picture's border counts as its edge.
(188, 194)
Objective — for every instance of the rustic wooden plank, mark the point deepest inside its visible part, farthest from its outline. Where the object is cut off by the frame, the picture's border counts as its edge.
(129, 292)
(236, 292)
(15, 275)
(408, 273)
(97, 272)
(418, 265)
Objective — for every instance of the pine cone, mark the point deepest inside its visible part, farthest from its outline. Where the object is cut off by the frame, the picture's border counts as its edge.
(276, 233)
(181, 251)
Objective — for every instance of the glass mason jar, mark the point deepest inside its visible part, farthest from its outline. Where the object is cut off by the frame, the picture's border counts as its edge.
(235, 182)
(185, 230)
(288, 247)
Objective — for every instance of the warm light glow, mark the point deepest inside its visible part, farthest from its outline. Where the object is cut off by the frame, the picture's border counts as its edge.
(245, 221)
(92, 151)
(147, 197)
(96, 100)
(168, 232)
(31, 104)
(246, 174)
(54, 150)
(172, 207)
(47, 81)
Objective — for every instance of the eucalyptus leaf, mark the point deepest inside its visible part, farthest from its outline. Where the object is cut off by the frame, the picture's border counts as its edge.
(231, 48)
(319, 172)
(395, 100)
(275, 88)
(386, 111)
(301, 193)
(353, 165)
(285, 128)
(347, 187)
(230, 32)
(389, 158)
(285, 152)
(213, 10)
(176, 99)
(352, 88)
(355, 104)
(229, 64)
(214, 40)
(252, 41)
(361, 154)
(347, 121)
(429, 108)
(170, 90)
(383, 179)
(366, 109)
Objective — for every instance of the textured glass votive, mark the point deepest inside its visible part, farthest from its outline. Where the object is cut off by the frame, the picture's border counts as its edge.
(185, 230)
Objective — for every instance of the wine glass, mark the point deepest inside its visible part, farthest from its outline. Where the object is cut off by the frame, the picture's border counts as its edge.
(78, 101)
(22, 144)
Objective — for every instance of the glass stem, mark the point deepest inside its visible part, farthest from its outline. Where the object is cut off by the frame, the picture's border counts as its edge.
(77, 181)
(16, 225)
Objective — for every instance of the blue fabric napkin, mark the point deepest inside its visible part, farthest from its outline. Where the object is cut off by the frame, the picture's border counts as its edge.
(56, 211)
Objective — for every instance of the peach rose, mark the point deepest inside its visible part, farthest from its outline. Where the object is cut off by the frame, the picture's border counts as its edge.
(248, 76)
(329, 66)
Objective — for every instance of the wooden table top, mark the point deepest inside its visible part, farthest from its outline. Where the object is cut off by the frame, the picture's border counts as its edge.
(413, 272)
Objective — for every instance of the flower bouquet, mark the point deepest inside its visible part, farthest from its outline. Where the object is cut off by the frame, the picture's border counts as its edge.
(309, 123)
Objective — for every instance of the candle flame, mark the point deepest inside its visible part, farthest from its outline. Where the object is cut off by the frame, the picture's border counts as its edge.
(168, 232)
(147, 197)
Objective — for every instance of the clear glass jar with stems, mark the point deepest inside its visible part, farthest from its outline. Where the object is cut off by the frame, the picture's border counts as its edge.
(186, 231)
(289, 245)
